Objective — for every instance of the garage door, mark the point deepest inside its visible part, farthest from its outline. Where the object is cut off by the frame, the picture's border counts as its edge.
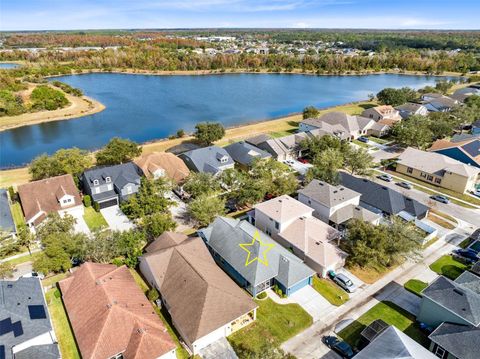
(109, 203)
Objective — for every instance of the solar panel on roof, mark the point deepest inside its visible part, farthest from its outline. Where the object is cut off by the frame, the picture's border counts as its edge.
(17, 329)
(37, 312)
(5, 326)
(2, 351)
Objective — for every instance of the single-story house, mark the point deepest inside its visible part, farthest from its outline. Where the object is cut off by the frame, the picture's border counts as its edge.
(467, 151)
(26, 330)
(335, 205)
(111, 317)
(382, 113)
(384, 200)
(435, 102)
(455, 341)
(163, 164)
(204, 303)
(110, 185)
(438, 169)
(55, 194)
(253, 259)
(411, 109)
(244, 153)
(7, 224)
(211, 159)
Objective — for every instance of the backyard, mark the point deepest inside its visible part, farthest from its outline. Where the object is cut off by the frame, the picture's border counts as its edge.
(17, 214)
(330, 291)
(448, 266)
(94, 219)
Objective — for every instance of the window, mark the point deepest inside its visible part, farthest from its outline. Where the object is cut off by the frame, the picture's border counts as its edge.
(95, 182)
(430, 178)
(424, 175)
(108, 179)
(277, 225)
(409, 170)
(438, 180)
(268, 232)
(439, 351)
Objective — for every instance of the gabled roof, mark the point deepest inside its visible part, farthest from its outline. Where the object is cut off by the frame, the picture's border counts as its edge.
(459, 340)
(109, 314)
(166, 240)
(256, 140)
(173, 166)
(327, 194)
(337, 122)
(225, 235)
(120, 175)
(6, 219)
(207, 159)
(201, 298)
(245, 153)
(283, 209)
(393, 344)
(346, 213)
(469, 147)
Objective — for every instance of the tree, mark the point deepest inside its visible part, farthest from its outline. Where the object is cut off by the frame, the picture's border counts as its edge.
(313, 146)
(310, 112)
(205, 208)
(25, 237)
(473, 101)
(117, 151)
(396, 97)
(277, 177)
(198, 183)
(54, 224)
(326, 166)
(44, 97)
(414, 131)
(73, 161)
(444, 86)
(6, 270)
(157, 223)
(358, 161)
(208, 132)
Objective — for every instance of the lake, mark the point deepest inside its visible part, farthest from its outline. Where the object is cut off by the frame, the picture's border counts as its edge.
(8, 65)
(144, 108)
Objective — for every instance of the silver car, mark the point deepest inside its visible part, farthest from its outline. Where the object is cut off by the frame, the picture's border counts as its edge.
(343, 281)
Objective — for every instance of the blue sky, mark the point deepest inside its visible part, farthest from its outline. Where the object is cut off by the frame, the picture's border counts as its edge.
(110, 14)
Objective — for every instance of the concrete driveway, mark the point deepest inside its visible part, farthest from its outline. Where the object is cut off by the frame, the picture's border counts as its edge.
(179, 212)
(116, 220)
(396, 293)
(220, 349)
(298, 166)
(313, 303)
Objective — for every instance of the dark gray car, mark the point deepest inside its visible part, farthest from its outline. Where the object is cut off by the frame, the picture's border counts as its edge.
(343, 281)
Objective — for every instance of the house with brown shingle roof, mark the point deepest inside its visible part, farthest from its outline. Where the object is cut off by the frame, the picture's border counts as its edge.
(467, 151)
(163, 164)
(110, 316)
(385, 114)
(56, 194)
(204, 303)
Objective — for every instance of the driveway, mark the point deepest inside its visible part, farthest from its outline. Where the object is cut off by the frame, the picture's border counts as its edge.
(220, 349)
(358, 282)
(179, 212)
(115, 218)
(298, 166)
(396, 293)
(80, 224)
(313, 303)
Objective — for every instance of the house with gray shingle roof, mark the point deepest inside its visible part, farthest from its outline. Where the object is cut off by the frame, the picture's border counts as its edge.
(253, 259)
(245, 153)
(6, 219)
(455, 341)
(410, 109)
(211, 159)
(26, 331)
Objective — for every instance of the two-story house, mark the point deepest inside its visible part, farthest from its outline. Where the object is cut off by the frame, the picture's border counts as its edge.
(412, 109)
(110, 185)
(211, 159)
(163, 164)
(385, 114)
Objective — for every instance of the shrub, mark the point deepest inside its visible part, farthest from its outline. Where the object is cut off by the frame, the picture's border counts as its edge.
(262, 295)
(153, 294)
(180, 133)
(13, 195)
(47, 98)
(96, 206)
(87, 200)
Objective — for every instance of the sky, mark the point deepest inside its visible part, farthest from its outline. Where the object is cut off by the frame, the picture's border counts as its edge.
(163, 14)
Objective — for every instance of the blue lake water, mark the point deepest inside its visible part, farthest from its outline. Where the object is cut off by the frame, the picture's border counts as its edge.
(143, 108)
(8, 65)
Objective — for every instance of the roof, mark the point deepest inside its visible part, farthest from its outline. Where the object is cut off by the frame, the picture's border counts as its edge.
(459, 340)
(327, 194)
(459, 296)
(109, 314)
(340, 124)
(207, 159)
(6, 219)
(469, 147)
(23, 316)
(283, 209)
(44, 195)
(166, 240)
(384, 198)
(173, 166)
(201, 298)
(346, 213)
(384, 110)
(256, 140)
(393, 344)
(120, 175)
(435, 163)
(225, 235)
(245, 153)
(410, 108)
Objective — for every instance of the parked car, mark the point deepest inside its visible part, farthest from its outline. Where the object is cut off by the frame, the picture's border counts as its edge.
(289, 162)
(303, 160)
(344, 282)
(404, 185)
(34, 275)
(363, 139)
(385, 177)
(476, 193)
(341, 347)
(467, 255)
(440, 198)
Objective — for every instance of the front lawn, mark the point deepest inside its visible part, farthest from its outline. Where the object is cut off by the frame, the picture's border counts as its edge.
(275, 324)
(448, 266)
(391, 314)
(63, 330)
(441, 222)
(17, 214)
(415, 286)
(330, 291)
(369, 275)
(94, 219)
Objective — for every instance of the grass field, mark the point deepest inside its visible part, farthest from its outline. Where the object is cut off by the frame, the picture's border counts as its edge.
(24, 259)
(17, 214)
(330, 291)
(369, 275)
(448, 266)
(440, 221)
(47, 282)
(415, 286)
(94, 219)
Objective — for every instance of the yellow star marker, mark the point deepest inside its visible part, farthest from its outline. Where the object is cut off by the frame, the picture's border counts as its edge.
(268, 247)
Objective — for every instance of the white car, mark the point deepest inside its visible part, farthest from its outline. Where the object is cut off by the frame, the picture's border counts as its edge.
(476, 193)
(34, 275)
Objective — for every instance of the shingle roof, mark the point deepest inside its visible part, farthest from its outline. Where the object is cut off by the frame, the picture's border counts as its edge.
(166, 240)
(173, 166)
(327, 194)
(6, 219)
(207, 159)
(200, 296)
(256, 140)
(283, 209)
(245, 153)
(336, 121)
(459, 340)
(346, 213)
(120, 174)
(109, 314)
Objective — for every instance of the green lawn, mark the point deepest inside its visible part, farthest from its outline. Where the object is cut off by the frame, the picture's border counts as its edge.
(415, 286)
(330, 291)
(94, 219)
(361, 144)
(24, 259)
(381, 141)
(17, 214)
(275, 324)
(440, 221)
(47, 282)
(63, 330)
(448, 266)
(390, 314)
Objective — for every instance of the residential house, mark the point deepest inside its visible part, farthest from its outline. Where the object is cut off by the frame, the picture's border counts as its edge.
(462, 94)
(384, 200)
(253, 259)
(455, 341)
(110, 185)
(435, 102)
(467, 151)
(55, 194)
(438, 169)
(244, 153)
(291, 223)
(204, 303)
(411, 109)
(163, 164)
(111, 317)
(7, 225)
(394, 344)
(338, 124)
(281, 148)
(385, 114)
(211, 159)
(335, 205)
(25, 327)
(450, 301)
